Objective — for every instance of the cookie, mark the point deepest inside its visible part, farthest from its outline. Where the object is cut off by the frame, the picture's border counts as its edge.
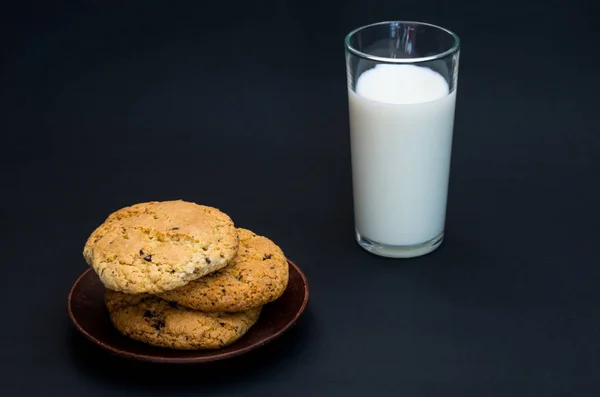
(149, 319)
(257, 276)
(159, 246)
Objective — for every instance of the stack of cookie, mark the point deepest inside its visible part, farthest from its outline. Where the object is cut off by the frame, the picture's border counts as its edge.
(181, 275)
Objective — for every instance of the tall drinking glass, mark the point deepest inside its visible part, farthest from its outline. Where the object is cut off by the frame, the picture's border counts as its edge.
(402, 79)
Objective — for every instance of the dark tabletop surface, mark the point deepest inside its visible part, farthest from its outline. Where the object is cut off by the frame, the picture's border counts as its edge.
(242, 105)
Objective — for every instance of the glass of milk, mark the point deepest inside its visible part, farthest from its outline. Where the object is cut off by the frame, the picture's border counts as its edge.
(402, 79)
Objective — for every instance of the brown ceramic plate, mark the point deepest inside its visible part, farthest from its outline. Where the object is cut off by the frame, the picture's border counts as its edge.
(86, 310)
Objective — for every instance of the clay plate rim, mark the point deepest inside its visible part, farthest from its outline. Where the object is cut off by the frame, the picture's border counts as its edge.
(206, 355)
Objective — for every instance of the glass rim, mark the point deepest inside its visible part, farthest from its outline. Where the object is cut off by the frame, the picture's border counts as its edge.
(455, 47)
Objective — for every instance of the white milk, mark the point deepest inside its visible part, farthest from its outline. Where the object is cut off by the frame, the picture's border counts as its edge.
(401, 121)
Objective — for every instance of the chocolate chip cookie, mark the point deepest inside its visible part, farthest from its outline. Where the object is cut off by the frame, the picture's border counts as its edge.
(159, 246)
(149, 319)
(257, 276)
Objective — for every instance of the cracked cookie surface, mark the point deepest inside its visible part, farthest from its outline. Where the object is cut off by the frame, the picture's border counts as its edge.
(258, 275)
(159, 246)
(149, 319)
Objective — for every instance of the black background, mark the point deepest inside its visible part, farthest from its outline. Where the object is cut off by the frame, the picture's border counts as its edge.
(242, 105)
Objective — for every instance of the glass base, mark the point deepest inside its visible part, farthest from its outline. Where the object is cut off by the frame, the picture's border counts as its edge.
(399, 251)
